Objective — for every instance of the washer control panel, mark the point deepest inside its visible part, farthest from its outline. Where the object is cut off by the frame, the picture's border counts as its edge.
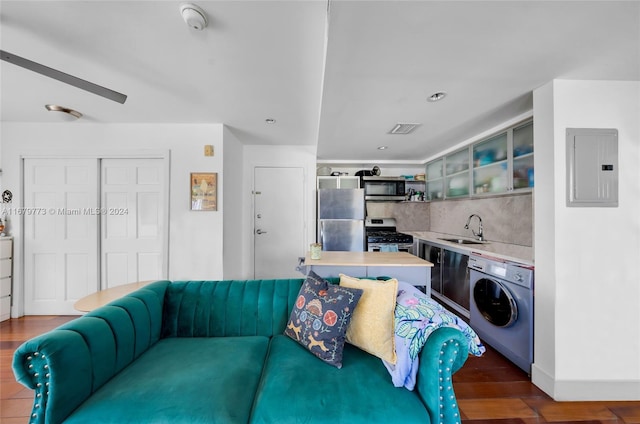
(504, 270)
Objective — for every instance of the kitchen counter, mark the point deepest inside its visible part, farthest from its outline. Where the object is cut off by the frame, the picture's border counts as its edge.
(401, 259)
(510, 252)
(400, 265)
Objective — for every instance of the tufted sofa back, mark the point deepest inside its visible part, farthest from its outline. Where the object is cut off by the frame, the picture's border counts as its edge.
(228, 308)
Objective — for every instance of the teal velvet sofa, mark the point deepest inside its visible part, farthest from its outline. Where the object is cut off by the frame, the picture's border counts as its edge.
(214, 352)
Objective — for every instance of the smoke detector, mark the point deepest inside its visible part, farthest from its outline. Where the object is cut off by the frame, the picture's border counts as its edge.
(194, 16)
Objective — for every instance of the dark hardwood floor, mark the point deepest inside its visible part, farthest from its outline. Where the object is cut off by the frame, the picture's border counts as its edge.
(489, 389)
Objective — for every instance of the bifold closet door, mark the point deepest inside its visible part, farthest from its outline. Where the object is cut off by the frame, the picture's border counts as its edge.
(134, 221)
(61, 228)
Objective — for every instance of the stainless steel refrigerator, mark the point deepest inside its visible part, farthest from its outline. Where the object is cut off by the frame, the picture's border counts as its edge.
(341, 219)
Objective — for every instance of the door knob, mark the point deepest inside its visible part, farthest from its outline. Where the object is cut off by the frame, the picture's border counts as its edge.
(259, 231)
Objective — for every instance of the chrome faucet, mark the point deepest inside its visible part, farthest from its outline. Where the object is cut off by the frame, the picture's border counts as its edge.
(479, 233)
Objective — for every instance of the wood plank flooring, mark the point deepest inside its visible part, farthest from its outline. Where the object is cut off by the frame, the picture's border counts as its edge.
(489, 389)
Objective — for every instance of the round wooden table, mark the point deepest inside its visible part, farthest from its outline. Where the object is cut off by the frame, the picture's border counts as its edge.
(102, 297)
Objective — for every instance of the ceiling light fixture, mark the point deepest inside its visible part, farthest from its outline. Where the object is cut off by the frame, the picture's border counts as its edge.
(383, 147)
(270, 121)
(194, 16)
(437, 96)
(69, 112)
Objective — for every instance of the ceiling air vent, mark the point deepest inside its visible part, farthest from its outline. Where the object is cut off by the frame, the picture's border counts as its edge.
(403, 128)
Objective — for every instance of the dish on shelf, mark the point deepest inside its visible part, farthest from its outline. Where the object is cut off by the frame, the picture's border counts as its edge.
(458, 191)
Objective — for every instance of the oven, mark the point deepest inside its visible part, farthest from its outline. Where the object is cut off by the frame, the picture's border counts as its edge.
(382, 236)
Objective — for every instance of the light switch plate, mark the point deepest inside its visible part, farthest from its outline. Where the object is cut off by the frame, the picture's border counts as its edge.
(208, 150)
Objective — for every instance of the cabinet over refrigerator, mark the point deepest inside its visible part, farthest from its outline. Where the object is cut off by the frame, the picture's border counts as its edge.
(341, 215)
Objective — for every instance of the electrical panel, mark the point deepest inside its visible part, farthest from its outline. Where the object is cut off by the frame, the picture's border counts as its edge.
(592, 167)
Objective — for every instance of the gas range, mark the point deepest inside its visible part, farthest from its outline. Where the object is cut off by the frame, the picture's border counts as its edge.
(381, 235)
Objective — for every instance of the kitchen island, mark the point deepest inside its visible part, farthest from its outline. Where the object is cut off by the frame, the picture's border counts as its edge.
(400, 265)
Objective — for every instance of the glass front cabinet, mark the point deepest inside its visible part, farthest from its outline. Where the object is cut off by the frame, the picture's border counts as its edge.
(500, 164)
(490, 173)
(523, 156)
(457, 173)
(434, 184)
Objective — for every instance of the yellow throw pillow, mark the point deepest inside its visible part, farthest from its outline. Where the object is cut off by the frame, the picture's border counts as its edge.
(372, 325)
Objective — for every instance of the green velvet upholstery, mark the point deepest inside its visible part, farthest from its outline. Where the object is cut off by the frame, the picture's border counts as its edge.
(213, 351)
(444, 353)
(182, 380)
(359, 392)
(228, 308)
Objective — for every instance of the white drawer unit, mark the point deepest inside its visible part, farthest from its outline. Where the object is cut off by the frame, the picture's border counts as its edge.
(5, 247)
(6, 258)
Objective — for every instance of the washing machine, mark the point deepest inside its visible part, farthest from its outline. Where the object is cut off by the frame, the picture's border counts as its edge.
(501, 307)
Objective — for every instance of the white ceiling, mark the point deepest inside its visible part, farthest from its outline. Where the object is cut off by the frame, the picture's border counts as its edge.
(338, 74)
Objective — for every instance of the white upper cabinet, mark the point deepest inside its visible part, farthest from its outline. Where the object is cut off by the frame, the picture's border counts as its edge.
(342, 181)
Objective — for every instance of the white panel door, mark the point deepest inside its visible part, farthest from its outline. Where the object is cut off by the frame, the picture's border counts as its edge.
(60, 233)
(134, 221)
(278, 221)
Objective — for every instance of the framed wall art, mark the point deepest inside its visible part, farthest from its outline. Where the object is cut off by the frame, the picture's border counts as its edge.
(204, 191)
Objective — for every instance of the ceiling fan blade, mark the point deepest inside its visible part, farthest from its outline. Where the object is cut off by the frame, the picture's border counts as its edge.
(61, 76)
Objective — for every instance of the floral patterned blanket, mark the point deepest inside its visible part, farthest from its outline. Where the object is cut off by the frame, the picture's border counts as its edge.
(416, 317)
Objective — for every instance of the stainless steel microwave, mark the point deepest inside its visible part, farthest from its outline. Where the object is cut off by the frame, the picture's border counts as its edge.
(384, 188)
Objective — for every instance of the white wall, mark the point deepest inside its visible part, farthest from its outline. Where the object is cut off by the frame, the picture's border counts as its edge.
(277, 156)
(234, 248)
(195, 238)
(587, 325)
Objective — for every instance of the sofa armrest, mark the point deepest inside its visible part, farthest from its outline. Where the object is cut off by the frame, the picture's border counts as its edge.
(57, 366)
(443, 354)
(66, 365)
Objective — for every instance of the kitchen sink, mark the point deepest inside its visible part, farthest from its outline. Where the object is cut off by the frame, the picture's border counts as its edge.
(462, 241)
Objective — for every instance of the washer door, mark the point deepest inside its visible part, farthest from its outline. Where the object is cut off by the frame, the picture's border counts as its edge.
(495, 303)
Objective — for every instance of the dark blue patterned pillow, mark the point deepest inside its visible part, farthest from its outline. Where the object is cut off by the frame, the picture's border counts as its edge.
(320, 317)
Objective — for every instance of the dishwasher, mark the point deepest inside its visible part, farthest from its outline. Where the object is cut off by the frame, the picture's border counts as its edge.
(449, 276)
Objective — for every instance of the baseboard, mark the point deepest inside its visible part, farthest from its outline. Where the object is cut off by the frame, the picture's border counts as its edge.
(585, 390)
(544, 381)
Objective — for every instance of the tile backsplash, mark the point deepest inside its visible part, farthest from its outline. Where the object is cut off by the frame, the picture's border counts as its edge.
(505, 219)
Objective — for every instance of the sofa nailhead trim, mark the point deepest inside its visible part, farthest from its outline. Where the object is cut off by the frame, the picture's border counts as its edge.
(41, 395)
(448, 379)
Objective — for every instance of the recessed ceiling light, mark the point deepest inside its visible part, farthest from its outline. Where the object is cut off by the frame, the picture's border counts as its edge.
(69, 112)
(270, 121)
(383, 147)
(437, 96)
